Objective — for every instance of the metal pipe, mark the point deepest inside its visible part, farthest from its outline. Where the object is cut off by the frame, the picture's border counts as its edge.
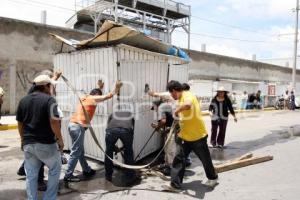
(295, 48)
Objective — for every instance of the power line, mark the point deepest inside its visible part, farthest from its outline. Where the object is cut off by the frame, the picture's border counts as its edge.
(34, 3)
(235, 27)
(234, 39)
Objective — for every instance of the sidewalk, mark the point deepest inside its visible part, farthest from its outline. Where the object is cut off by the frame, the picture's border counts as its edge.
(8, 123)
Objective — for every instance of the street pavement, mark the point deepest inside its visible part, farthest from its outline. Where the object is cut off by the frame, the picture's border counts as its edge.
(260, 133)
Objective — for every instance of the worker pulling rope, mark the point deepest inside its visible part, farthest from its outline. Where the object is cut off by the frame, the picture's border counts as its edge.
(135, 167)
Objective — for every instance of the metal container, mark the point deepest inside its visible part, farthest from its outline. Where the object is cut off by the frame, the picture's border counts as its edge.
(135, 68)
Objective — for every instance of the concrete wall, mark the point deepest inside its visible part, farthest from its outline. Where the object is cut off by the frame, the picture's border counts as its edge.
(207, 66)
(26, 49)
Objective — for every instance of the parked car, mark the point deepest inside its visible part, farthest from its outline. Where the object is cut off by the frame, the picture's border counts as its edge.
(297, 101)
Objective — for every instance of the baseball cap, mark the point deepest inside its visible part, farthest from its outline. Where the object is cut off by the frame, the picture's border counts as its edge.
(43, 80)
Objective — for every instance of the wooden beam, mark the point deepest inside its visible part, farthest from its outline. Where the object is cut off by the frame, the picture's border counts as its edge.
(241, 163)
(243, 157)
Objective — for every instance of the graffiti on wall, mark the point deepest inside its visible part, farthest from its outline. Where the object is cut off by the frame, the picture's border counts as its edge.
(26, 77)
(1, 72)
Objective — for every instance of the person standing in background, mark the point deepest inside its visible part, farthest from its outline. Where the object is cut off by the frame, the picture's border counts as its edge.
(286, 100)
(1, 100)
(244, 101)
(293, 105)
(219, 110)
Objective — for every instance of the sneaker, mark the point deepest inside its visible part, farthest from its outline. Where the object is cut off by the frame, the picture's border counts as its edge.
(166, 171)
(21, 171)
(220, 146)
(42, 186)
(175, 187)
(89, 174)
(72, 179)
(211, 183)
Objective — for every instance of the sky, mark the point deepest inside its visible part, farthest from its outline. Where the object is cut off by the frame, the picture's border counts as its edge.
(238, 28)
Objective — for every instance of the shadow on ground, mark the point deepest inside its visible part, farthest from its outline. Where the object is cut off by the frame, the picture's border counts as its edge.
(236, 149)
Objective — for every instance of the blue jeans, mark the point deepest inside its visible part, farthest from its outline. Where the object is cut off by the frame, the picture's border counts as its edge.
(111, 137)
(77, 133)
(35, 155)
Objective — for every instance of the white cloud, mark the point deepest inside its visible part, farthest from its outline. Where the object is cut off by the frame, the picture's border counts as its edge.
(262, 8)
(223, 9)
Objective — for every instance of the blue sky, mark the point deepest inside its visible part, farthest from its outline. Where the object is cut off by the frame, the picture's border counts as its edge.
(260, 22)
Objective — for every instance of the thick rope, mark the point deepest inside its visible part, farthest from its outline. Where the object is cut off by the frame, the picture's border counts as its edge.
(116, 162)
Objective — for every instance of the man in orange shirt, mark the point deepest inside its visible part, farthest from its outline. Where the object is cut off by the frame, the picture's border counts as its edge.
(77, 127)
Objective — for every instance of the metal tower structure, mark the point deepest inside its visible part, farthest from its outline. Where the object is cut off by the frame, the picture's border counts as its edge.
(157, 18)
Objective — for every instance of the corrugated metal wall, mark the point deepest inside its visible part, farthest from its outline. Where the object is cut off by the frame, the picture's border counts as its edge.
(136, 68)
(83, 69)
(139, 68)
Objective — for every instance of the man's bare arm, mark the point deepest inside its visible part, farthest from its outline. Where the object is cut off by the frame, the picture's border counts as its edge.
(21, 131)
(100, 98)
(55, 126)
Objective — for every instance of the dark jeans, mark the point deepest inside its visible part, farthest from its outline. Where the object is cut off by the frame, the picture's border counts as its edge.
(200, 148)
(293, 105)
(218, 138)
(112, 136)
(41, 172)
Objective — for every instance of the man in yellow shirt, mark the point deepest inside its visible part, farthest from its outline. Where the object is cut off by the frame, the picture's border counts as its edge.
(192, 136)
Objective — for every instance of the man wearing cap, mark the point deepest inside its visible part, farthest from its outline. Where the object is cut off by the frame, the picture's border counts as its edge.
(193, 136)
(41, 140)
(77, 127)
(21, 171)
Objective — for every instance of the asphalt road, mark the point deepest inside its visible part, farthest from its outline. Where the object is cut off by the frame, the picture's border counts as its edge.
(261, 133)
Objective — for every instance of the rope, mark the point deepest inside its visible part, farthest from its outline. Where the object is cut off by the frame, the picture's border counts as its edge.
(88, 120)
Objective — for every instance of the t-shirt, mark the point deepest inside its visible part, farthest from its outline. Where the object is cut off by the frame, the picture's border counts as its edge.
(191, 123)
(35, 111)
(121, 119)
(90, 106)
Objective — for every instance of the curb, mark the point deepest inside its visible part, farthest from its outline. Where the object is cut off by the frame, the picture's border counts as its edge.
(205, 113)
(5, 127)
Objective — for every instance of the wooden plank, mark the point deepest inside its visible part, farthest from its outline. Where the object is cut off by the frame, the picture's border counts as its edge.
(243, 157)
(241, 163)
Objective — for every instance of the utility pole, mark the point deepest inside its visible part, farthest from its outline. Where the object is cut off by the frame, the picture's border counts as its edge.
(295, 48)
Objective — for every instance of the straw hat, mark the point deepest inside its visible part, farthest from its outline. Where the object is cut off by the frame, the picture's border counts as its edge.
(222, 89)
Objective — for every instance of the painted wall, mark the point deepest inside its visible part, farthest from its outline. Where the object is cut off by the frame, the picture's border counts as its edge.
(26, 49)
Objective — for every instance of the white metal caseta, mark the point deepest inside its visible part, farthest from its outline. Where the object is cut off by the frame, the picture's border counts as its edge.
(135, 68)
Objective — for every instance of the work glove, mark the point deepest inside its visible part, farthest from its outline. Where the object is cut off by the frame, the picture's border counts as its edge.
(100, 84)
(57, 74)
(118, 86)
